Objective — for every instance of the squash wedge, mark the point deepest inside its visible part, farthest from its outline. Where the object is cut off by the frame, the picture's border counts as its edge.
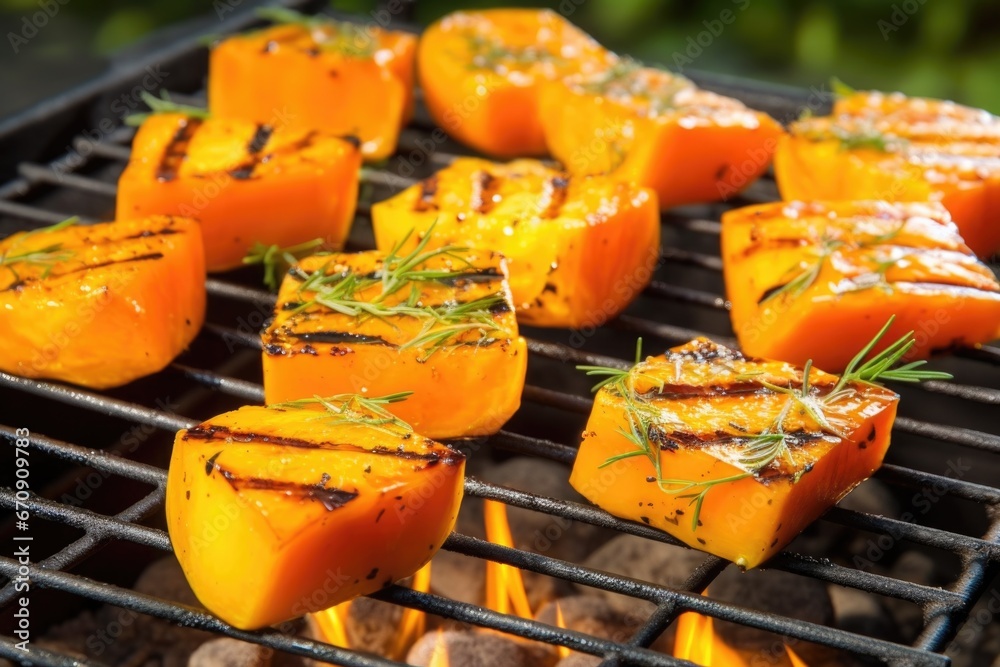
(729, 454)
(438, 322)
(246, 183)
(315, 73)
(815, 280)
(278, 511)
(481, 73)
(658, 130)
(580, 249)
(75, 299)
(897, 148)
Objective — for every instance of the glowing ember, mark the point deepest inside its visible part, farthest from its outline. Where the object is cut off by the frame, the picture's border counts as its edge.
(439, 658)
(562, 651)
(697, 642)
(504, 583)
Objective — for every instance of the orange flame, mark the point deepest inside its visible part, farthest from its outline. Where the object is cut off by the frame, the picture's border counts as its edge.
(413, 623)
(332, 622)
(439, 657)
(562, 651)
(504, 583)
(697, 642)
(796, 660)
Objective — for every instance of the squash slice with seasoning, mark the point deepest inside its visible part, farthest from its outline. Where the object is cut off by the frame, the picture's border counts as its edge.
(316, 73)
(735, 455)
(482, 72)
(439, 321)
(898, 148)
(100, 305)
(658, 130)
(816, 280)
(278, 511)
(580, 249)
(246, 183)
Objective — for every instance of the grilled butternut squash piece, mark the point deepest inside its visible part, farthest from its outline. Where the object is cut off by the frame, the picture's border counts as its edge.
(580, 249)
(439, 322)
(731, 455)
(897, 148)
(278, 511)
(816, 280)
(100, 305)
(481, 73)
(315, 73)
(658, 130)
(245, 183)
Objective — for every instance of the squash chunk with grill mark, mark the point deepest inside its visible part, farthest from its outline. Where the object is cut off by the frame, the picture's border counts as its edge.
(816, 280)
(658, 130)
(580, 249)
(278, 511)
(438, 322)
(731, 455)
(100, 305)
(315, 73)
(896, 148)
(482, 73)
(246, 183)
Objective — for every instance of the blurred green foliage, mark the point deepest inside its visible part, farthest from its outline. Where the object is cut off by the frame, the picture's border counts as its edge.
(939, 48)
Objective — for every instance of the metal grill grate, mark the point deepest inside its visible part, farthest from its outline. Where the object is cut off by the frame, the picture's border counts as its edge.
(44, 192)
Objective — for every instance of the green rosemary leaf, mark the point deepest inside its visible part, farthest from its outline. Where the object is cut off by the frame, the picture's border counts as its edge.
(277, 260)
(164, 104)
(841, 89)
(359, 410)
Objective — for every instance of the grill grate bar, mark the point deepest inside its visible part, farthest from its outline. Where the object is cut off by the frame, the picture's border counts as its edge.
(37, 173)
(687, 601)
(40, 657)
(191, 617)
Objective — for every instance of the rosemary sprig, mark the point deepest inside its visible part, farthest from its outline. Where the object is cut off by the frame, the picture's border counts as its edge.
(359, 410)
(163, 104)
(490, 53)
(441, 324)
(754, 453)
(841, 89)
(328, 33)
(47, 256)
(277, 260)
(807, 273)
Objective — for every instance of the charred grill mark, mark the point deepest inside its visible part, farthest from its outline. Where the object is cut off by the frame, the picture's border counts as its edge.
(100, 265)
(769, 292)
(558, 189)
(682, 391)
(427, 201)
(674, 440)
(335, 337)
(485, 187)
(331, 499)
(772, 244)
(148, 233)
(176, 151)
(208, 432)
(254, 149)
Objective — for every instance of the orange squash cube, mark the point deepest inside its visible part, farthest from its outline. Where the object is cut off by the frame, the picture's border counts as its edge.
(100, 305)
(897, 148)
(580, 249)
(245, 183)
(437, 322)
(696, 442)
(816, 280)
(481, 73)
(316, 73)
(656, 129)
(278, 511)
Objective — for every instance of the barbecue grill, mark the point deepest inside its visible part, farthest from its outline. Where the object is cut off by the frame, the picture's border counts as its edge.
(62, 158)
